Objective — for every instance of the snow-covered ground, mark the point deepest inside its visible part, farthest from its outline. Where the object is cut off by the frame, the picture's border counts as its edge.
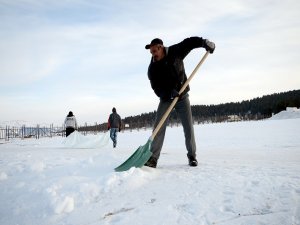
(248, 173)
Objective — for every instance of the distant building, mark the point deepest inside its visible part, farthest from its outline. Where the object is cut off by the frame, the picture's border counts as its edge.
(233, 118)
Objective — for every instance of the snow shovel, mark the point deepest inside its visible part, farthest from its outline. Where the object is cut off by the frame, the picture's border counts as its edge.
(143, 153)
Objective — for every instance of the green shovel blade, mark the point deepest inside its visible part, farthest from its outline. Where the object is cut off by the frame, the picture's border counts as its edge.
(137, 159)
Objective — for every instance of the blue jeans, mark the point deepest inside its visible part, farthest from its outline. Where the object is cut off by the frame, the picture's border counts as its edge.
(113, 135)
(184, 111)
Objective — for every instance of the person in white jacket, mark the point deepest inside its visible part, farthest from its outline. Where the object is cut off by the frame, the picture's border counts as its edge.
(70, 123)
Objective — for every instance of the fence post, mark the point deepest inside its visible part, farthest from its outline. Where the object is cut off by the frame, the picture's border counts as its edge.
(7, 133)
(38, 132)
(23, 132)
(51, 128)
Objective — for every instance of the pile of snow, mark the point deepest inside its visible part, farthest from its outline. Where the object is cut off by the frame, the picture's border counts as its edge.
(77, 140)
(289, 113)
(248, 173)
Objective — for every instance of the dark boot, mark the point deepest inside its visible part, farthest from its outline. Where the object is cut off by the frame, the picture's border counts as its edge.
(192, 160)
(152, 162)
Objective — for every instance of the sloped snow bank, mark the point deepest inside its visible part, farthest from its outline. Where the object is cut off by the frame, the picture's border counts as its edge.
(289, 113)
(77, 140)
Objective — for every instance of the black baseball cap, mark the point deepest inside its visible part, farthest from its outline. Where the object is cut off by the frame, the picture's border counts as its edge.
(155, 41)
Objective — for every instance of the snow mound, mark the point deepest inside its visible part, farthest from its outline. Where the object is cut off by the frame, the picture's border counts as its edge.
(77, 140)
(64, 206)
(289, 113)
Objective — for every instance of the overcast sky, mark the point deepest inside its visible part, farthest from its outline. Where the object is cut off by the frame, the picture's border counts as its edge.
(88, 56)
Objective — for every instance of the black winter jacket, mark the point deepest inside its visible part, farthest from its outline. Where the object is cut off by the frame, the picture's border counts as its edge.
(169, 73)
(114, 121)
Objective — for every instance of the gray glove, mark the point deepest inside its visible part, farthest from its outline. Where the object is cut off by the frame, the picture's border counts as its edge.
(209, 46)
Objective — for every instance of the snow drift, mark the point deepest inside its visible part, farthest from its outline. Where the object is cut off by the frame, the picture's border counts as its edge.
(289, 113)
(77, 140)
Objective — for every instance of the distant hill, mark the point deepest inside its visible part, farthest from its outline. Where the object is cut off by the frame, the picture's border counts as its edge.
(255, 109)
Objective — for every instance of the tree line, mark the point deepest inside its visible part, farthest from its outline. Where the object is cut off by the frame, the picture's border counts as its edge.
(255, 109)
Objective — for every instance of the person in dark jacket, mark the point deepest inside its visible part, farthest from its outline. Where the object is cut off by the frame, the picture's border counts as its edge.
(167, 75)
(70, 123)
(114, 125)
